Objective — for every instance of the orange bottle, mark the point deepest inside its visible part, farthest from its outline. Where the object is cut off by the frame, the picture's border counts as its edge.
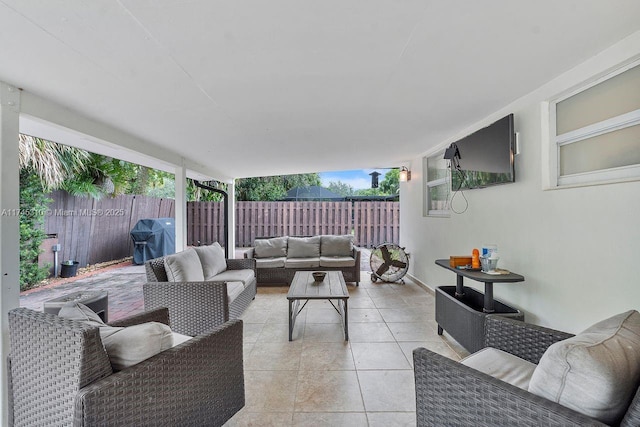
(475, 259)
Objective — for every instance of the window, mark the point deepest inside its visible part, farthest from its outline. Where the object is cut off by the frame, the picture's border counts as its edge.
(436, 185)
(596, 131)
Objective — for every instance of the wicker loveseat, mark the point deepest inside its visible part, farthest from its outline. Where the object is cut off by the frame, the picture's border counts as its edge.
(60, 375)
(571, 390)
(200, 287)
(278, 258)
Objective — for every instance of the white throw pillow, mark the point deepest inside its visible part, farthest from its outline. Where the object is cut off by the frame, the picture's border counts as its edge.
(81, 313)
(336, 245)
(270, 248)
(596, 372)
(304, 247)
(133, 344)
(184, 266)
(212, 259)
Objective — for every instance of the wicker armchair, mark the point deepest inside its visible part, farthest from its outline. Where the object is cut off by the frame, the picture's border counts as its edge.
(60, 374)
(196, 307)
(450, 393)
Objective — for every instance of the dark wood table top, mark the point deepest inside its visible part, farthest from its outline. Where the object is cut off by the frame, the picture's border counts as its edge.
(304, 287)
(480, 276)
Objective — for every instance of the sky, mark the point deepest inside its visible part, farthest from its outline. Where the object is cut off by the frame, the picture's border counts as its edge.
(358, 179)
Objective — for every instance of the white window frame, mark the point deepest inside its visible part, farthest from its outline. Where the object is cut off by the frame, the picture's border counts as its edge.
(605, 176)
(440, 213)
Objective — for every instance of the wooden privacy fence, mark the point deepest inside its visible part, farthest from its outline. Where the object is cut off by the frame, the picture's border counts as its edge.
(371, 222)
(92, 231)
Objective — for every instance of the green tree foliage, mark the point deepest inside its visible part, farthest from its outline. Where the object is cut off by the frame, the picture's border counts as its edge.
(341, 188)
(272, 188)
(33, 207)
(391, 183)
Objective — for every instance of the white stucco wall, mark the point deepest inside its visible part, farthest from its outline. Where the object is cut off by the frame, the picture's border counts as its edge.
(578, 248)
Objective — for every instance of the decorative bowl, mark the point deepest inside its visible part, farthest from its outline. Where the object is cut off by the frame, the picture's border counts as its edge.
(318, 276)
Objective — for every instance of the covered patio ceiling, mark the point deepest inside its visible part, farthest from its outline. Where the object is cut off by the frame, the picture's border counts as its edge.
(254, 88)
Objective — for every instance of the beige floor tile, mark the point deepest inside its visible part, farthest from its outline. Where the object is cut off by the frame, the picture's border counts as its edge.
(282, 316)
(388, 390)
(391, 419)
(364, 315)
(277, 332)
(381, 291)
(379, 355)
(322, 315)
(413, 331)
(255, 316)
(270, 391)
(328, 391)
(260, 419)
(284, 356)
(326, 356)
(441, 348)
(389, 301)
(329, 419)
(361, 302)
(324, 332)
(370, 332)
(404, 314)
(251, 331)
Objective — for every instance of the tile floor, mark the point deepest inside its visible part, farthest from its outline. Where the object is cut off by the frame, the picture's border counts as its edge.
(318, 379)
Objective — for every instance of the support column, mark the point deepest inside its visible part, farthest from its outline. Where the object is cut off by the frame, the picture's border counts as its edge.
(9, 224)
(181, 207)
(231, 223)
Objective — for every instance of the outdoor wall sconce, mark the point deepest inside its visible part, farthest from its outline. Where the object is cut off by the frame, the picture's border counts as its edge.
(405, 174)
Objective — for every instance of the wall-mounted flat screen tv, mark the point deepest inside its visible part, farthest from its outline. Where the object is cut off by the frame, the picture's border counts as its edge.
(485, 157)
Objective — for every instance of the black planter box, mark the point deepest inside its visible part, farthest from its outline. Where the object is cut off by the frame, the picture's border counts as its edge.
(69, 270)
(463, 318)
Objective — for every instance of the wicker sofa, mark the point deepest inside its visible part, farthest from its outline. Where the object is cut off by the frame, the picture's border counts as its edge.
(469, 393)
(278, 258)
(60, 375)
(200, 287)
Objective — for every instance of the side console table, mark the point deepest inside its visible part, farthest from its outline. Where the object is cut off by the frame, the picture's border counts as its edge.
(461, 310)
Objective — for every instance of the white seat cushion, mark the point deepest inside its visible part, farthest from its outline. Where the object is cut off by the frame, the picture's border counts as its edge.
(596, 372)
(184, 266)
(212, 259)
(302, 262)
(270, 262)
(133, 344)
(337, 261)
(340, 246)
(244, 276)
(269, 248)
(502, 365)
(234, 289)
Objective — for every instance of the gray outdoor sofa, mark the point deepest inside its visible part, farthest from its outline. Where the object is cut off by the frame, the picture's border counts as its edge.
(534, 376)
(61, 373)
(200, 287)
(278, 258)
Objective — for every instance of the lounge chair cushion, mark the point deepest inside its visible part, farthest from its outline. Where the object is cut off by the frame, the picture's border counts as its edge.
(268, 248)
(303, 247)
(234, 289)
(596, 372)
(337, 261)
(212, 259)
(184, 266)
(341, 246)
(302, 262)
(270, 262)
(244, 276)
(125, 346)
(502, 365)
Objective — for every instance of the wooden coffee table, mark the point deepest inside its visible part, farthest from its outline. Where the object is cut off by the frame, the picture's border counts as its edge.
(303, 287)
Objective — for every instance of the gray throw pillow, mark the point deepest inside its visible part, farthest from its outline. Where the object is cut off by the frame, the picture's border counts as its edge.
(596, 372)
(304, 247)
(212, 259)
(80, 313)
(336, 245)
(270, 248)
(184, 266)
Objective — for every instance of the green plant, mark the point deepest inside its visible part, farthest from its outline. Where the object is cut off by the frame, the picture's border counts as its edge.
(33, 208)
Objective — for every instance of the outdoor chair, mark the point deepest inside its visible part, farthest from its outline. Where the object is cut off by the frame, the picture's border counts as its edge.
(450, 393)
(60, 375)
